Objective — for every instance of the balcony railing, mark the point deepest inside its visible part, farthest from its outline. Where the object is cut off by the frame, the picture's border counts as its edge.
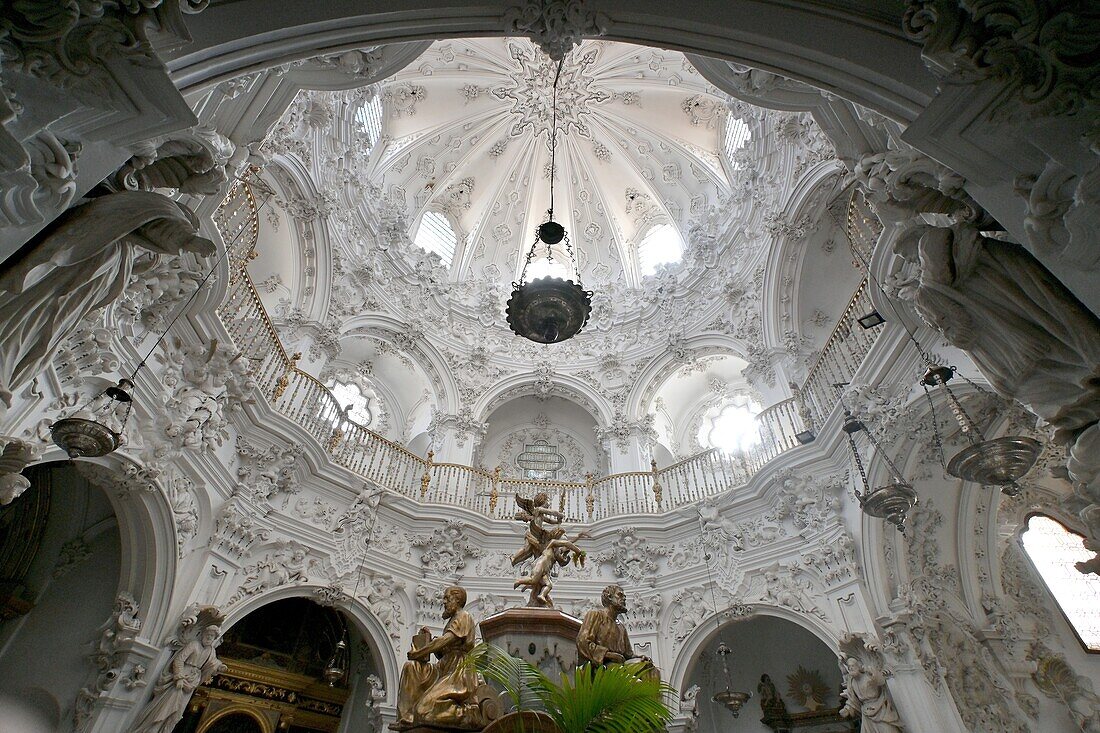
(309, 403)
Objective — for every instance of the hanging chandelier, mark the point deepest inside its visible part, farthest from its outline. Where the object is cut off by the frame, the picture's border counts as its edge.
(995, 461)
(549, 309)
(96, 429)
(730, 699)
(891, 501)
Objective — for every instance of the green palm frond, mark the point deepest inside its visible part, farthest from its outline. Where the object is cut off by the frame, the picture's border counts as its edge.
(524, 684)
(621, 698)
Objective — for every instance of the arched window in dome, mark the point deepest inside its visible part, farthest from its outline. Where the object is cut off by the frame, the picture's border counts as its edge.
(369, 118)
(735, 136)
(660, 245)
(350, 395)
(731, 428)
(435, 234)
(1054, 551)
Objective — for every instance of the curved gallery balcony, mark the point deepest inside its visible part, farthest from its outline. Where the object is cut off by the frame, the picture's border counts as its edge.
(308, 402)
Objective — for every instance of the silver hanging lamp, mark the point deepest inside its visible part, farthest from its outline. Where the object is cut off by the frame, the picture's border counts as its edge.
(891, 501)
(996, 461)
(732, 700)
(549, 310)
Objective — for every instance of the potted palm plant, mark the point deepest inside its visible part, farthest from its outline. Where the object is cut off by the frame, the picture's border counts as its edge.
(620, 698)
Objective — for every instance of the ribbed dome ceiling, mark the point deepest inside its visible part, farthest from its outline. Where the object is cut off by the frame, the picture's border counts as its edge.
(468, 131)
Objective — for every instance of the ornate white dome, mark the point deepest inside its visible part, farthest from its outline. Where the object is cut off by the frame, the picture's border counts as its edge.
(468, 136)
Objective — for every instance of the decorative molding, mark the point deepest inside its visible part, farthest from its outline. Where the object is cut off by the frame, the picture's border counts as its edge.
(556, 26)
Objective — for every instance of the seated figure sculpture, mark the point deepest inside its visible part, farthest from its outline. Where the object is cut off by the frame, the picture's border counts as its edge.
(603, 640)
(445, 695)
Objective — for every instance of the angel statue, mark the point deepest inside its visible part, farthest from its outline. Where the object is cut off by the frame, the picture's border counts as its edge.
(194, 664)
(545, 541)
(864, 694)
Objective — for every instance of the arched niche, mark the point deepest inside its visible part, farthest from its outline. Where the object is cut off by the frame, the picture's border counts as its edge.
(287, 642)
(61, 560)
(360, 620)
(801, 666)
(563, 429)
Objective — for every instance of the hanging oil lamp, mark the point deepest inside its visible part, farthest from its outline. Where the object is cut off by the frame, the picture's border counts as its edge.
(549, 309)
(891, 501)
(96, 429)
(997, 461)
(337, 666)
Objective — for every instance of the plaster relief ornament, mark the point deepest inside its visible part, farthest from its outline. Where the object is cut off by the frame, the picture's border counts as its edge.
(108, 656)
(285, 564)
(81, 265)
(14, 457)
(545, 543)
(207, 381)
(864, 695)
(194, 664)
(557, 26)
(807, 688)
(447, 695)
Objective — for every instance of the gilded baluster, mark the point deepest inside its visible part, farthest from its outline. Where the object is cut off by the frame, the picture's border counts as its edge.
(494, 492)
(427, 477)
(284, 380)
(335, 439)
(658, 490)
(589, 499)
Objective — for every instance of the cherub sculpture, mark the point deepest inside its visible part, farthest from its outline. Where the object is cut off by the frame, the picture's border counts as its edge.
(545, 541)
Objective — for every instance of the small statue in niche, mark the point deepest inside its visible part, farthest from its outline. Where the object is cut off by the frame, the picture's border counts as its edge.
(193, 665)
(602, 639)
(771, 704)
(864, 695)
(445, 695)
(548, 545)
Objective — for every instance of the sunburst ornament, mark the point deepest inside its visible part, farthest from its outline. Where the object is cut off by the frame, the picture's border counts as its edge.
(807, 688)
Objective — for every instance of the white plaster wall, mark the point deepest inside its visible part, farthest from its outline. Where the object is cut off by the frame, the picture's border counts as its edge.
(44, 656)
(563, 416)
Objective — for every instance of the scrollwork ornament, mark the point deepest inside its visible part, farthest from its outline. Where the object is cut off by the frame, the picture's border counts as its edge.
(1045, 49)
(556, 26)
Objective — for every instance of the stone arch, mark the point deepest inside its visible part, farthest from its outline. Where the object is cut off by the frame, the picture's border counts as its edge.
(356, 613)
(870, 61)
(695, 643)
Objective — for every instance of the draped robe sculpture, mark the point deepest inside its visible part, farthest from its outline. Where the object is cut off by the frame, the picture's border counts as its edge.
(193, 665)
(445, 695)
(81, 265)
(602, 639)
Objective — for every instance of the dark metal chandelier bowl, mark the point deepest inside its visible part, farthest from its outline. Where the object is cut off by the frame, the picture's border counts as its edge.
(548, 310)
(96, 429)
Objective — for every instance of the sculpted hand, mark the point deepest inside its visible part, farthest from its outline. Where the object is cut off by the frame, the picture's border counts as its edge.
(614, 657)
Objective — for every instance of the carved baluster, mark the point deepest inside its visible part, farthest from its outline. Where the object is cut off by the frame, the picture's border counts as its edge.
(426, 479)
(589, 497)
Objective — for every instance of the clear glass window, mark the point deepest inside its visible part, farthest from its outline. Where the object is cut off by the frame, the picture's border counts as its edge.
(350, 396)
(540, 461)
(733, 429)
(1053, 551)
(735, 137)
(436, 235)
(369, 119)
(659, 246)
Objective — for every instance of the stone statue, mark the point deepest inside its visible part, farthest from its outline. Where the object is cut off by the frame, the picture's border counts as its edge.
(82, 264)
(865, 698)
(548, 545)
(602, 639)
(771, 704)
(445, 695)
(1028, 335)
(194, 664)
